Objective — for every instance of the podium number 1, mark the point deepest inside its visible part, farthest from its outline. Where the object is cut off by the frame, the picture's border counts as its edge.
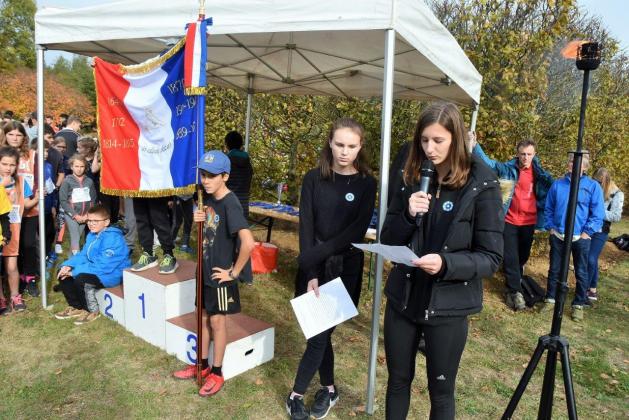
(141, 297)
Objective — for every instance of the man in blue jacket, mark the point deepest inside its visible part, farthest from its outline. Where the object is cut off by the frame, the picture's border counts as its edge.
(527, 185)
(99, 264)
(588, 220)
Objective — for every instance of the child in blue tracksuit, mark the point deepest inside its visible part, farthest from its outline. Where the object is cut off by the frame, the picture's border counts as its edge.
(99, 264)
(588, 220)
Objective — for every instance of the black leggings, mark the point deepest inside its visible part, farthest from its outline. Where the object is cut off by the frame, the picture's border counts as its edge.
(182, 213)
(319, 355)
(152, 214)
(445, 341)
(28, 261)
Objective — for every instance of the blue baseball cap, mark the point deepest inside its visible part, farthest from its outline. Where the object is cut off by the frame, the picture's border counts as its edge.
(215, 162)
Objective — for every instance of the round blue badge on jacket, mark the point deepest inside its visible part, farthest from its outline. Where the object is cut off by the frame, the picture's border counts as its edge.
(349, 197)
(448, 206)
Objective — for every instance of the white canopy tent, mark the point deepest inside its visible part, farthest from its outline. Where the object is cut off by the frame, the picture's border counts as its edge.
(354, 48)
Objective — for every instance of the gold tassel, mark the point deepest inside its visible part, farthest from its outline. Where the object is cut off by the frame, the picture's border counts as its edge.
(189, 189)
(152, 63)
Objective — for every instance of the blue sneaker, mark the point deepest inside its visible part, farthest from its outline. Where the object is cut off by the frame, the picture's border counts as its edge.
(51, 259)
(186, 248)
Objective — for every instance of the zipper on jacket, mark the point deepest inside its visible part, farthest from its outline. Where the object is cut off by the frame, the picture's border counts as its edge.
(426, 317)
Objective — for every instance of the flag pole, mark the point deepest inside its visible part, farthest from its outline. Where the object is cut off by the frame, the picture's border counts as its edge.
(199, 363)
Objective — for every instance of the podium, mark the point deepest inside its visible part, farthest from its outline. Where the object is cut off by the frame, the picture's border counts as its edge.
(250, 342)
(159, 308)
(111, 303)
(152, 298)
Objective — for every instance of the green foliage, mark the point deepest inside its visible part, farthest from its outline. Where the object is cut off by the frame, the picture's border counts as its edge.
(508, 42)
(530, 90)
(17, 34)
(76, 73)
(287, 132)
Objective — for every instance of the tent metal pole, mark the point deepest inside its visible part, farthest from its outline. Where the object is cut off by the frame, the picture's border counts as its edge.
(385, 152)
(248, 119)
(474, 117)
(40, 172)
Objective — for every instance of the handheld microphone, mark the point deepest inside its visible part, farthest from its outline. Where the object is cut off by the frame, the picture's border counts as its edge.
(427, 173)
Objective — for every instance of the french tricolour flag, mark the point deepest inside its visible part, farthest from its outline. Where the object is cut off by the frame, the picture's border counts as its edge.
(196, 56)
(151, 133)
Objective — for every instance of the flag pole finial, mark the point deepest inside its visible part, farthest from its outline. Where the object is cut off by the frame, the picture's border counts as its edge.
(201, 9)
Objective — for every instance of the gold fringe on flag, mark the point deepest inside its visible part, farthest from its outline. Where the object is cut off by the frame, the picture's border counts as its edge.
(152, 63)
(189, 189)
(189, 91)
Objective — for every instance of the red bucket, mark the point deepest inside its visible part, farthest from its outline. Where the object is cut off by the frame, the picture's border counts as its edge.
(264, 258)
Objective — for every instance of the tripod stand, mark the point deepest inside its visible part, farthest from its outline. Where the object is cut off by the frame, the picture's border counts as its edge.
(588, 58)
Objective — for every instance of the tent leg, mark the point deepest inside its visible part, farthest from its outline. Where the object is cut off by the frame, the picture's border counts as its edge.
(474, 117)
(248, 120)
(385, 152)
(40, 172)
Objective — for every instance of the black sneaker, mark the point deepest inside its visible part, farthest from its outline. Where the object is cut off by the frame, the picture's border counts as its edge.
(324, 400)
(31, 289)
(296, 408)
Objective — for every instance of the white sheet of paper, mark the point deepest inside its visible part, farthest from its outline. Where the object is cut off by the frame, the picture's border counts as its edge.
(397, 254)
(332, 307)
(14, 215)
(80, 195)
(50, 186)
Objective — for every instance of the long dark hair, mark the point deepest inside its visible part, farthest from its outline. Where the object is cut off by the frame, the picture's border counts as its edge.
(24, 147)
(326, 160)
(447, 115)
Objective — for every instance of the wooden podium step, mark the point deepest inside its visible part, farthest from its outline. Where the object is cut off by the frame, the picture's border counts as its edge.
(250, 342)
(111, 303)
(152, 298)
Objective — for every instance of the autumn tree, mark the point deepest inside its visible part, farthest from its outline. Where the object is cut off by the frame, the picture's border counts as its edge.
(606, 130)
(19, 94)
(17, 34)
(508, 42)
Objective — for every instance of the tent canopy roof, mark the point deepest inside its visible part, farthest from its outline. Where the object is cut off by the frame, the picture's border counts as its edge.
(294, 47)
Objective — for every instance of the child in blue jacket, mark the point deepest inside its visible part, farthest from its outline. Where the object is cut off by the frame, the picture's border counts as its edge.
(99, 264)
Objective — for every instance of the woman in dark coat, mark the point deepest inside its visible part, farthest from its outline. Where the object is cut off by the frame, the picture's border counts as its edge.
(459, 241)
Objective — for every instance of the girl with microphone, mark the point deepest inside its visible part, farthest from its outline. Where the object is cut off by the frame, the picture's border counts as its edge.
(335, 209)
(459, 241)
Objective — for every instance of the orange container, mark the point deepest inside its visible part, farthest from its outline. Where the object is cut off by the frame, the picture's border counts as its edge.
(264, 258)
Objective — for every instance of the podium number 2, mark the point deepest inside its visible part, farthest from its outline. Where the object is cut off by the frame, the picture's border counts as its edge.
(141, 297)
(108, 299)
(192, 353)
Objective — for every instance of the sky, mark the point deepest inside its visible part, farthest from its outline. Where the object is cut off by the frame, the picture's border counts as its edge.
(613, 13)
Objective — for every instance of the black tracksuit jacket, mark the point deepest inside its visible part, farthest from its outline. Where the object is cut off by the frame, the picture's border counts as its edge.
(472, 248)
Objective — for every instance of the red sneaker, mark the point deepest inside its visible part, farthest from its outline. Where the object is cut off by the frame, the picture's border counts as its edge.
(190, 372)
(212, 385)
(17, 303)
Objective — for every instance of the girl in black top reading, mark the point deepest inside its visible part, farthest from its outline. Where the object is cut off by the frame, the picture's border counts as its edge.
(459, 241)
(336, 206)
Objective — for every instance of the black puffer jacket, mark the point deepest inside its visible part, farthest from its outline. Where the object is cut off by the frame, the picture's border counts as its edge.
(471, 251)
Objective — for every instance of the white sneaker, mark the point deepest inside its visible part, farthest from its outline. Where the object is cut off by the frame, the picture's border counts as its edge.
(58, 249)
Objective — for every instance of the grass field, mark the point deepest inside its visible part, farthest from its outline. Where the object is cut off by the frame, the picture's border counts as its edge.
(53, 369)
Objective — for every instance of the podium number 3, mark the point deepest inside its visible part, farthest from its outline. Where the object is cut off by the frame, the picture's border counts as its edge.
(108, 299)
(141, 297)
(192, 353)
